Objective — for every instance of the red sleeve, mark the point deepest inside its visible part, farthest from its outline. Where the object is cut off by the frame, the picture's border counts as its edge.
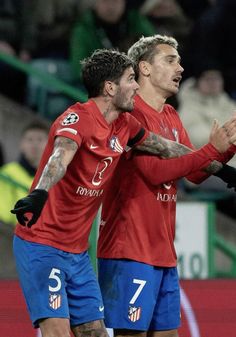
(156, 171)
(199, 176)
(225, 157)
(73, 124)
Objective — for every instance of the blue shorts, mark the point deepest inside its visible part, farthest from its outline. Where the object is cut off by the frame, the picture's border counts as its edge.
(138, 296)
(57, 283)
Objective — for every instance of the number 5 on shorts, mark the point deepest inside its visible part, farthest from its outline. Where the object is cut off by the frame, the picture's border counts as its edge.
(138, 291)
(53, 275)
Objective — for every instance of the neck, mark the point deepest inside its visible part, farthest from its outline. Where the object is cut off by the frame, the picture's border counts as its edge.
(107, 109)
(151, 95)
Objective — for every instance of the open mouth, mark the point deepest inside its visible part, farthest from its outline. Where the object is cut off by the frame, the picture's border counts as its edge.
(177, 80)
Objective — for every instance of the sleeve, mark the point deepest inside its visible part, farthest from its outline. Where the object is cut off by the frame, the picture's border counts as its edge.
(137, 133)
(156, 171)
(73, 124)
(199, 176)
(225, 157)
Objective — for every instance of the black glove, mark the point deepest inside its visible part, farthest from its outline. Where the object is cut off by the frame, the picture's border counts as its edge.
(228, 175)
(33, 203)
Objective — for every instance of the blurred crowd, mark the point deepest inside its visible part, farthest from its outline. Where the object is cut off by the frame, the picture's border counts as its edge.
(72, 29)
(69, 30)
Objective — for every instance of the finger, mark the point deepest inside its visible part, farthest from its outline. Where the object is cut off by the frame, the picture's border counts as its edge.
(230, 124)
(214, 128)
(21, 219)
(32, 221)
(233, 139)
(19, 209)
(214, 125)
(231, 131)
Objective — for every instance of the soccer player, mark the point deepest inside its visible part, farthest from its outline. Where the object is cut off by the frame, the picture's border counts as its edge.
(51, 238)
(137, 258)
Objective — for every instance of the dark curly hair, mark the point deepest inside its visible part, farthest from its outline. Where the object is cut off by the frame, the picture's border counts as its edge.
(103, 65)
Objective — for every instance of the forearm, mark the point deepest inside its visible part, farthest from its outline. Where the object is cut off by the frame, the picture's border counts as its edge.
(156, 171)
(214, 167)
(201, 175)
(55, 169)
(163, 147)
(52, 173)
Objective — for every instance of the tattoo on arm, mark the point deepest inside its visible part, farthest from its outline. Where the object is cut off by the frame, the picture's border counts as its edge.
(169, 149)
(214, 167)
(55, 169)
(164, 147)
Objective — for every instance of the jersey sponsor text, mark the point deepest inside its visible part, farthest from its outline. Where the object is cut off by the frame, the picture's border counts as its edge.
(88, 192)
(165, 197)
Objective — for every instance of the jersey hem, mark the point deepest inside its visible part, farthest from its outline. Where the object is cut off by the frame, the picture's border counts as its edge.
(52, 244)
(152, 263)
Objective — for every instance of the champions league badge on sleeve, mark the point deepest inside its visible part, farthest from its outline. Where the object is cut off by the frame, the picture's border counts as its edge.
(72, 118)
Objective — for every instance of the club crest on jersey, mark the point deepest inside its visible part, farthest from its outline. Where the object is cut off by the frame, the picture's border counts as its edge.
(72, 118)
(134, 313)
(115, 145)
(176, 134)
(55, 301)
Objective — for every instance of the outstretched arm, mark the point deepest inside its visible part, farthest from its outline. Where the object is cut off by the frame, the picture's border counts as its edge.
(163, 147)
(156, 171)
(55, 169)
(221, 138)
(167, 148)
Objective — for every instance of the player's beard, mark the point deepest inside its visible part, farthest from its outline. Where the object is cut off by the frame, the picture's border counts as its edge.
(123, 103)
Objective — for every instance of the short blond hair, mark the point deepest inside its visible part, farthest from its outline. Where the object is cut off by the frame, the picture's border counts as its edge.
(145, 48)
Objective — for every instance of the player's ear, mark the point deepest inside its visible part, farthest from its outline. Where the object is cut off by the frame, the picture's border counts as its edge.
(144, 68)
(110, 88)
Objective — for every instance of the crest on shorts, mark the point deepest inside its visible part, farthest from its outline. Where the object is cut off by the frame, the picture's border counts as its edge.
(55, 301)
(134, 313)
(72, 118)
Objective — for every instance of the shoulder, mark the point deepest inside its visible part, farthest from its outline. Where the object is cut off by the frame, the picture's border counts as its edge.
(169, 109)
(77, 120)
(75, 114)
(127, 118)
(172, 116)
(139, 110)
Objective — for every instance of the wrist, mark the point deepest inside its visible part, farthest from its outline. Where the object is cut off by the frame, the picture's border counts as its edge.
(227, 173)
(221, 173)
(212, 152)
(41, 193)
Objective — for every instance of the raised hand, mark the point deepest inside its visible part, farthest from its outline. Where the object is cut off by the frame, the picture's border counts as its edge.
(219, 137)
(230, 129)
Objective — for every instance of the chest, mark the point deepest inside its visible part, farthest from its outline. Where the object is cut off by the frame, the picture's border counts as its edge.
(98, 155)
(164, 124)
